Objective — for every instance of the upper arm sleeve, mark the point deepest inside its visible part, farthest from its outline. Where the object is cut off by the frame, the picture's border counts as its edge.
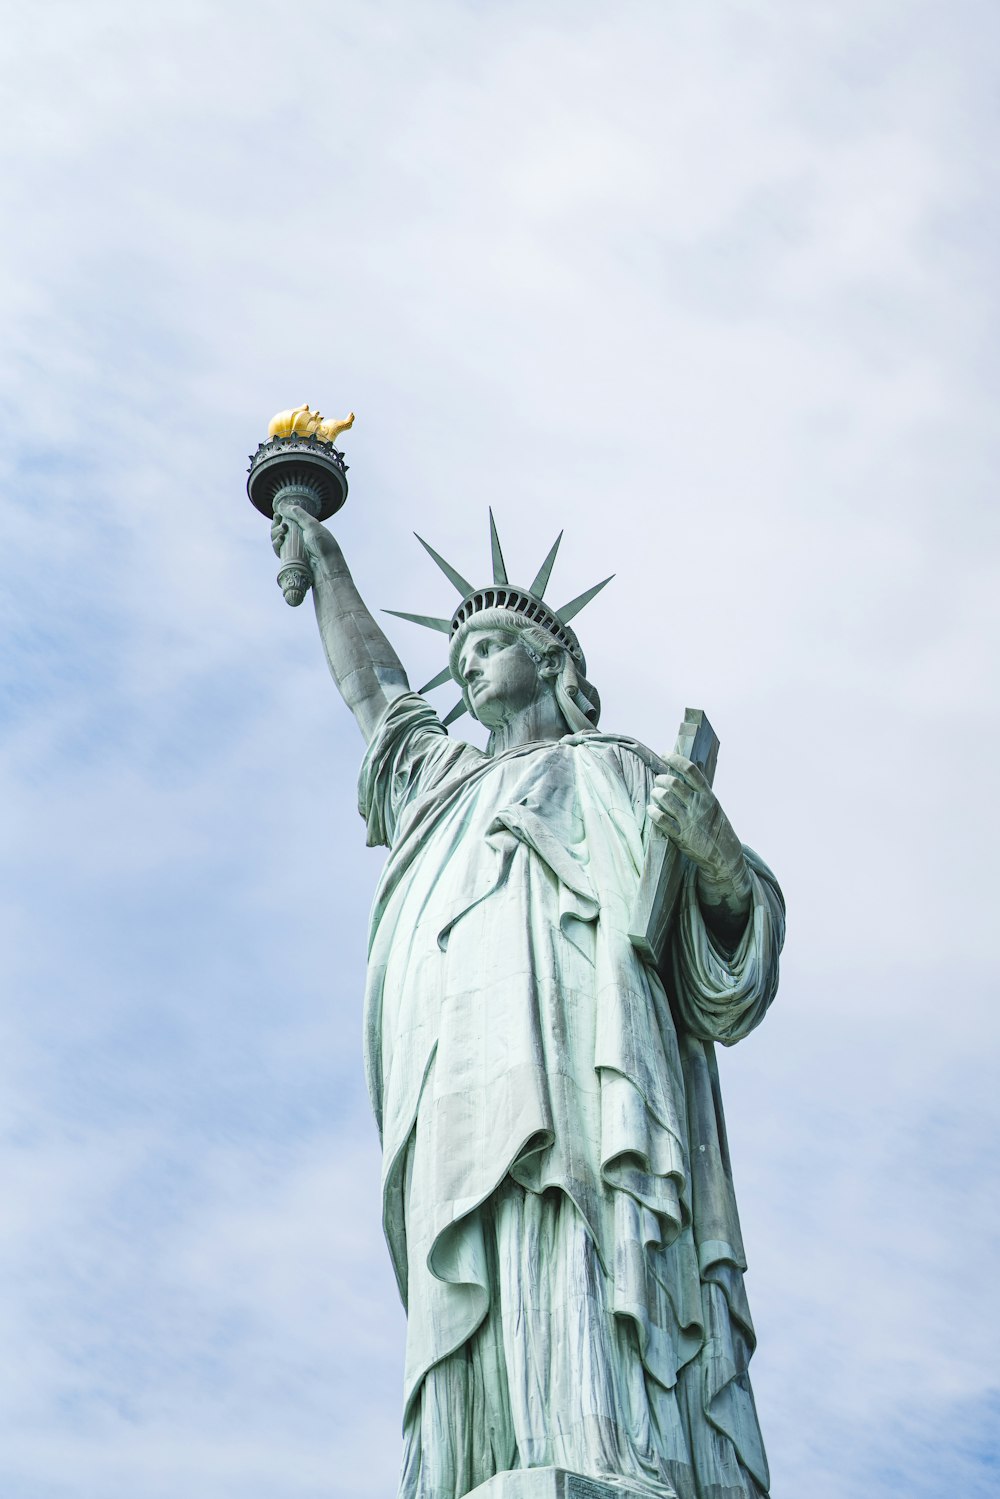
(410, 751)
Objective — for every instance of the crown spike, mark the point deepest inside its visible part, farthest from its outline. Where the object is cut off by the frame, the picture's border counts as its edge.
(438, 681)
(499, 567)
(571, 610)
(462, 584)
(541, 582)
(456, 712)
(429, 623)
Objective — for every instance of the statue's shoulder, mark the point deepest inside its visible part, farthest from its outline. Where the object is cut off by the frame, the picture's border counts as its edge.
(621, 746)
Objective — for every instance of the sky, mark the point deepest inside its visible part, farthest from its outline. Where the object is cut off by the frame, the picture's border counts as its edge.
(711, 286)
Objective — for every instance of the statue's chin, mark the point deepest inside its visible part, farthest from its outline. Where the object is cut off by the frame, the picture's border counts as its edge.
(485, 710)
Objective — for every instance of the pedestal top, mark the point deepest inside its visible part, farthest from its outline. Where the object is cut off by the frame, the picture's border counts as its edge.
(556, 1483)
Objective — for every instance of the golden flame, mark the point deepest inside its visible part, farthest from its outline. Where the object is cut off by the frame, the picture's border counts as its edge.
(301, 422)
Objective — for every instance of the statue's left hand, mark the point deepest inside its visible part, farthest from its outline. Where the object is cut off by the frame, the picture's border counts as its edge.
(687, 810)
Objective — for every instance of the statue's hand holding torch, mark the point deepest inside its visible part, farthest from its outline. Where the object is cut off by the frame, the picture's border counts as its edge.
(314, 539)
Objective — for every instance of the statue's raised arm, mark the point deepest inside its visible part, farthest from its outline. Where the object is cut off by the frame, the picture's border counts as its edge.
(368, 673)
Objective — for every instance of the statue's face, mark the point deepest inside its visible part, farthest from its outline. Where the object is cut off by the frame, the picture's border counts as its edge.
(499, 676)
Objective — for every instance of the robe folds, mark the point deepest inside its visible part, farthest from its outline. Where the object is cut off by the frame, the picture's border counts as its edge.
(516, 1043)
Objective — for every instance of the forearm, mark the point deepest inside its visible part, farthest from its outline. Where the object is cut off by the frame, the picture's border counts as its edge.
(366, 669)
(685, 808)
(724, 895)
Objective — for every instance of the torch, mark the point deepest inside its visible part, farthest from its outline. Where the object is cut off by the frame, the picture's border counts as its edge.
(299, 462)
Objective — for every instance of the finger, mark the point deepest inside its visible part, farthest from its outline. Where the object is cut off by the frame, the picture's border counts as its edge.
(677, 814)
(668, 828)
(663, 817)
(672, 789)
(687, 771)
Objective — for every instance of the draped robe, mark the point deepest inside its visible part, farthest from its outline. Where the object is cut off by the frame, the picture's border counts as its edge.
(535, 1082)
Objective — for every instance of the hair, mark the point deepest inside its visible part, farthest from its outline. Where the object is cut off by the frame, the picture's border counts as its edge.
(578, 699)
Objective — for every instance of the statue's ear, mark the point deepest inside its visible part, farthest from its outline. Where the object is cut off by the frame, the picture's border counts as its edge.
(550, 665)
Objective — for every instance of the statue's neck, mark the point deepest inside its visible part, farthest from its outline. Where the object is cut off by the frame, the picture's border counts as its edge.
(536, 723)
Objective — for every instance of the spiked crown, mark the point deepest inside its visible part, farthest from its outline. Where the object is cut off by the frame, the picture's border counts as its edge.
(502, 594)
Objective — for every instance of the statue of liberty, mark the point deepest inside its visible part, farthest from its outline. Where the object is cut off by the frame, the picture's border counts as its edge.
(558, 1202)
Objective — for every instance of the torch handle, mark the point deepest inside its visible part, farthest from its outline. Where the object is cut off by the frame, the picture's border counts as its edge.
(295, 574)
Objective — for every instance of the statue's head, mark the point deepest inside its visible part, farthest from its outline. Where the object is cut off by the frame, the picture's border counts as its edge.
(504, 662)
(548, 657)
